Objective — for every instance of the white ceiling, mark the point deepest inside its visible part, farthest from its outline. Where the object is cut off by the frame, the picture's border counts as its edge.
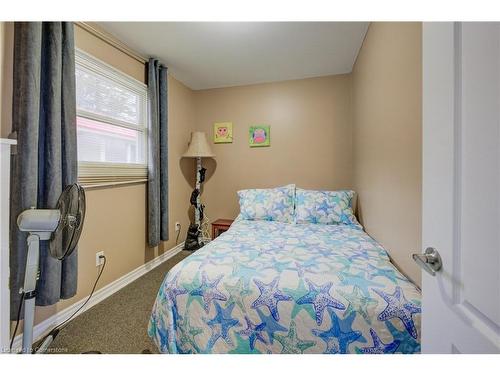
(219, 54)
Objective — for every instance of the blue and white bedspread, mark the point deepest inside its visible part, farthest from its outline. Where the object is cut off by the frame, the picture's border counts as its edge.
(270, 287)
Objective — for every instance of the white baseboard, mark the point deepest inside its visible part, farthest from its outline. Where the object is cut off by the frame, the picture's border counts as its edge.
(47, 325)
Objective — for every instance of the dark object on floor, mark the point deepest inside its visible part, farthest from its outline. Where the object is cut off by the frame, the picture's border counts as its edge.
(192, 243)
(119, 323)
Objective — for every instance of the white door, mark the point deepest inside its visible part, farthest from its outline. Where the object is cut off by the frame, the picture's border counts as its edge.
(461, 187)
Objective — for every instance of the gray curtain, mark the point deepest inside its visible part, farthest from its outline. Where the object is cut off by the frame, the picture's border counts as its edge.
(44, 117)
(158, 154)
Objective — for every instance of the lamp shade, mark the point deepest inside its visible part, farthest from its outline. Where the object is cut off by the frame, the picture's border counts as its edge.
(198, 147)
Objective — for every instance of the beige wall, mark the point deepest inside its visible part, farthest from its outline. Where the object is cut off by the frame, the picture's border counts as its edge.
(114, 57)
(310, 138)
(360, 130)
(116, 216)
(387, 126)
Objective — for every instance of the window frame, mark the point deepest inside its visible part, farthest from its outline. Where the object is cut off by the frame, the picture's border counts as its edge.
(103, 173)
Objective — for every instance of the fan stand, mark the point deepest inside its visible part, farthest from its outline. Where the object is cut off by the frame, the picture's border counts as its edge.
(31, 275)
(47, 225)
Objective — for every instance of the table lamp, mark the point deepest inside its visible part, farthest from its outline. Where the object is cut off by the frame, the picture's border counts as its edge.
(198, 148)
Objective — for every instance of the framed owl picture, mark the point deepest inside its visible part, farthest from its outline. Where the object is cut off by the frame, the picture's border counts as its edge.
(223, 132)
(259, 136)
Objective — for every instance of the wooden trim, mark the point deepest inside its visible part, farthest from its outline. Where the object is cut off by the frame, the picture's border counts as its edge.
(111, 40)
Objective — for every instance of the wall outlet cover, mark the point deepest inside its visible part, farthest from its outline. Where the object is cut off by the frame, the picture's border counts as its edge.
(99, 261)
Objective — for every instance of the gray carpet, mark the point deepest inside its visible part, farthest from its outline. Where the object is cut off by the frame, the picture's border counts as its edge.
(119, 323)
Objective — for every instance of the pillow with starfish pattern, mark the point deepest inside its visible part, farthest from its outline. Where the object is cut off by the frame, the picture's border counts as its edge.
(324, 207)
(268, 204)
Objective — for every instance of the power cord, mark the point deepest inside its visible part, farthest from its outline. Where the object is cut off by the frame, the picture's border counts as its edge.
(205, 229)
(60, 326)
(55, 331)
(178, 232)
(17, 321)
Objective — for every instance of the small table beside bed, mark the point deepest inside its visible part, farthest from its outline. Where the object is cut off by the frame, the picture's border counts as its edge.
(295, 273)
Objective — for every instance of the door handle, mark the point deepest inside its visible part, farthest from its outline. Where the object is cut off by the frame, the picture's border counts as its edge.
(430, 260)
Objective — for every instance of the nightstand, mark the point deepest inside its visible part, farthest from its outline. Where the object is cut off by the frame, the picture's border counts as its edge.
(220, 226)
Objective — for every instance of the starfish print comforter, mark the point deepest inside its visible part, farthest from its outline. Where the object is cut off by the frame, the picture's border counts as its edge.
(271, 287)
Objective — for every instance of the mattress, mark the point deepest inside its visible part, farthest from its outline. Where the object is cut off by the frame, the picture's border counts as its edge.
(271, 287)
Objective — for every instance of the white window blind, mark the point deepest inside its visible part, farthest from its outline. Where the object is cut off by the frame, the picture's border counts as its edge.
(111, 123)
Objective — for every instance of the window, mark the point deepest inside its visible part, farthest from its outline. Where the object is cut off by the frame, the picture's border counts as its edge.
(111, 123)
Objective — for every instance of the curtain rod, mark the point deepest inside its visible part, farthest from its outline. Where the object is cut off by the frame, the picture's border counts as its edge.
(111, 40)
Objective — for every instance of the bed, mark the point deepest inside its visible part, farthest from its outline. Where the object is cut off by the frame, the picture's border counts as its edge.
(273, 287)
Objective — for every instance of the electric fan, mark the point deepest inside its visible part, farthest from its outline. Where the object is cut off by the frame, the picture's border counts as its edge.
(62, 227)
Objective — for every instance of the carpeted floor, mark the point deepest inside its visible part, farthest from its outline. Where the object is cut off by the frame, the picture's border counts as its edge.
(119, 323)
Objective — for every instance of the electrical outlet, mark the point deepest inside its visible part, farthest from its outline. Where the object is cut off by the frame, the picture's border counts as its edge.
(99, 261)
(177, 226)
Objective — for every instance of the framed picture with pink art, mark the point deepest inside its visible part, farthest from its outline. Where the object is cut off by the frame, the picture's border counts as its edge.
(259, 136)
(223, 132)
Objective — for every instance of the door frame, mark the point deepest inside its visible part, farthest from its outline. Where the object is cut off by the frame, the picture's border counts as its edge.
(5, 152)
